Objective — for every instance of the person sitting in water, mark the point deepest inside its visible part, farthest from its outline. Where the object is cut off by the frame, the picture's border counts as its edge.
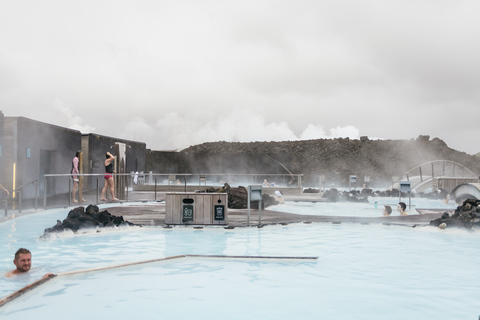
(279, 196)
(401, 207)
(23, 262)
(387, 211)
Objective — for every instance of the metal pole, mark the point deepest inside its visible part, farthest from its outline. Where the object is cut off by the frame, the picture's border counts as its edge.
(19, 201)
(36, 195)
(44, 193)
(248, 206)
(260, 212)
(80, 177)
(128, 177)
(97, 191)
(70, 191)
(155, 188)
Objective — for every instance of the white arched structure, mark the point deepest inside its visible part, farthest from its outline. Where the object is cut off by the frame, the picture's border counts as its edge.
(439, 174)
(466, 191)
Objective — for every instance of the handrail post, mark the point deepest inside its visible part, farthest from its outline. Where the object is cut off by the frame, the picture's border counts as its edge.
(70, 181)
(19, 201)
(97, 191)
(155, 177)
(44, 193)
(128, 182)
(36, 195)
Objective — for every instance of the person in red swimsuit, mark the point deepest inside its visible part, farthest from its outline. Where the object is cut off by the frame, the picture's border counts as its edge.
(109, 177)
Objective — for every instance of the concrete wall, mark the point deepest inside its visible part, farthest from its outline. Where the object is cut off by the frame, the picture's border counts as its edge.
(94, 148)
(32, 149)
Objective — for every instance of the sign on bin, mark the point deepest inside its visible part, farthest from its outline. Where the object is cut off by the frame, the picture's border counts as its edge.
(187, 211)
(219, 211)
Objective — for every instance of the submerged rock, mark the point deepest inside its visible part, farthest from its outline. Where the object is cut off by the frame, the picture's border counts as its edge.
(466, 216)
(91, 217)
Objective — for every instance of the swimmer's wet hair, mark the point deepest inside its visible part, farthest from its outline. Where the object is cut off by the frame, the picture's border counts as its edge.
(21, 251)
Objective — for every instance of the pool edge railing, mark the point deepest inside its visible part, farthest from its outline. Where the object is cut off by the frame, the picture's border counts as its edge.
(48, 277)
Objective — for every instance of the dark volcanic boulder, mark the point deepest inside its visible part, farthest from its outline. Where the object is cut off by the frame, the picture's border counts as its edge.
(238, 197)
(311, 190)
(331, 195)
(465, 216)
(91, 217)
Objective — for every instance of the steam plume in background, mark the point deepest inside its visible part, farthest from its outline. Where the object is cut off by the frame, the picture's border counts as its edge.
(179, 73)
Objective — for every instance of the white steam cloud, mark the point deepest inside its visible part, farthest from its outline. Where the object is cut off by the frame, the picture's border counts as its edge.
(178, 131)
(63, 115)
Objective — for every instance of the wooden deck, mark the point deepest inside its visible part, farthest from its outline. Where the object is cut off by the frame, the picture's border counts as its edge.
(154, 215)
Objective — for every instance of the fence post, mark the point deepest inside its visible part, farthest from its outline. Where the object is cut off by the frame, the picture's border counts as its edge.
(45, 193)
(97, 191)
(36, 195)
(19, 201)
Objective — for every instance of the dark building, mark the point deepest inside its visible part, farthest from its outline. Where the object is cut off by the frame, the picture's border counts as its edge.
(31, 149)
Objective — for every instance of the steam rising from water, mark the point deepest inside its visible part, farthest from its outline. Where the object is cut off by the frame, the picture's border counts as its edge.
(179, 131)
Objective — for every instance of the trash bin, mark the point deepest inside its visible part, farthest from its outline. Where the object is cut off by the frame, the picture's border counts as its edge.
(184, 208)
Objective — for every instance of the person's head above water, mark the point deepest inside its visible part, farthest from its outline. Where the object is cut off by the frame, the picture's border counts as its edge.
(23, 261)
(387, 211)
(401, 207)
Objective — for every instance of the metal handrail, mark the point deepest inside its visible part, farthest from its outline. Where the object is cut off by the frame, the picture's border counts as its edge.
(19, 190)
(155, 175)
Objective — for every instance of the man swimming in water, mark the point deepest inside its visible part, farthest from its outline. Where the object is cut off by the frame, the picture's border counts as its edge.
(23, 262)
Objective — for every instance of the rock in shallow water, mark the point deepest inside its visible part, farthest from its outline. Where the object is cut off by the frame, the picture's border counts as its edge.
(466, 216)
(91, 217)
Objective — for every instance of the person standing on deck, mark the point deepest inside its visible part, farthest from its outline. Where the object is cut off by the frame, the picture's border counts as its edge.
(109, 177)
(74, 172)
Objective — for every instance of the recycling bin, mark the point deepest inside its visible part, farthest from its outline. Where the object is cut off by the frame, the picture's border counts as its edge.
(191, 208)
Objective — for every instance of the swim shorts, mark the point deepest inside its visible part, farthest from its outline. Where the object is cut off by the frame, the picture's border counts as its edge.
(107, 176)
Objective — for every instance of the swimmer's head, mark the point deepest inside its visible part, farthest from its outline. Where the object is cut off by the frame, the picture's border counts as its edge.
(388, 210)
(23, 260)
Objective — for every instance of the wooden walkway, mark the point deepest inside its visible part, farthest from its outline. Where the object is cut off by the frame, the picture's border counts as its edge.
(154, 215)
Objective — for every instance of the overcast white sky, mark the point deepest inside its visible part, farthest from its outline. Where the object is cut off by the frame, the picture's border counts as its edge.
(179, 73)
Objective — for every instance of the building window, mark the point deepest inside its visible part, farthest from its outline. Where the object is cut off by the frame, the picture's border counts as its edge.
(29, 153)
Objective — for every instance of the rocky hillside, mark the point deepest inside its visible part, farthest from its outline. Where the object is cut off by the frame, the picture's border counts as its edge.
(337, 159)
